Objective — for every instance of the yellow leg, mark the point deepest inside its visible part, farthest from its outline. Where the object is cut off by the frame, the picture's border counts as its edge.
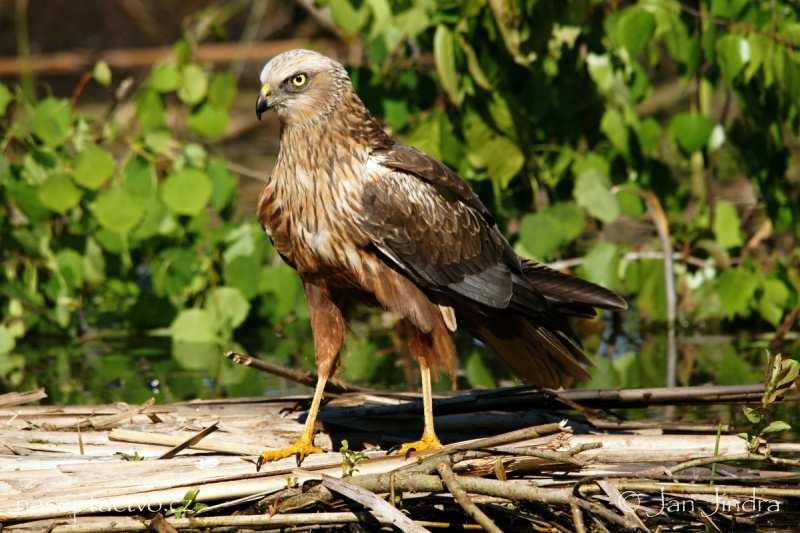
(304, 445)
(429, 440)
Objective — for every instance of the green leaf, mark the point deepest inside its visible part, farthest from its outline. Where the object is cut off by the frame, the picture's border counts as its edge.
(223, 184)
(139, 178)
(150, 109)
(93, 167)
(752, 415)
(195, 326)
(228, 306)
(474, 65)
(7, 341)
(733, 52)
(774, 297)
(504, 160)
(726, 225)
(165, 78)
(70, 266)
(187, 191)
(282, 289)
(735, 288)
(613, 125)
(601, 265)
(51, 121)
(208, 120)
(101, 73)
(691, 131)
(445, 56)
(59, 194)
(540, 235)
(194, 84)
(117, 210)
(222, 92)
(94, 263)
(478, 374)
(776, 426)
(635, 29)
(727, 8)
(347, 17)
(593, 193)
(5, 98)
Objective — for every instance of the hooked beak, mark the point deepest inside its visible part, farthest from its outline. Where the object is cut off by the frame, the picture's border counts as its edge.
(263, 102)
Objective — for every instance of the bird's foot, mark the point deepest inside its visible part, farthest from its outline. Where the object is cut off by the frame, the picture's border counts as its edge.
(428, 442)
(300, 449)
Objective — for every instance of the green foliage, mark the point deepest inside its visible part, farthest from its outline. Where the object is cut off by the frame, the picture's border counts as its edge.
(570, 115)
(781, 376)
(129, 225)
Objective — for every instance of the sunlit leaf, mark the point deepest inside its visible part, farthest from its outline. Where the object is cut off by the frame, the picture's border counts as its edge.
(93, 167)
(444, 53)
(187, 191)
(691, 131)
(635, 28)
(59, 194)
(51, 121)
(726, 224)
(117, 210)
(193, 85)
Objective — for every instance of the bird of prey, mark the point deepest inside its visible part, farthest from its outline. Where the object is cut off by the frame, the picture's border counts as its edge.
(363, 218)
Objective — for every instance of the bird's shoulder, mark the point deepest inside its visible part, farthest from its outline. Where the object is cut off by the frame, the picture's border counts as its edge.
(418, 165)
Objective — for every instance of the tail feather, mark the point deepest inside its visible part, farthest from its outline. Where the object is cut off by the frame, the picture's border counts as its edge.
(533, 335)
(570, 292)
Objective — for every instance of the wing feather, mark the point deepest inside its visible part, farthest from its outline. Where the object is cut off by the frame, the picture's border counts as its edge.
(431, 226)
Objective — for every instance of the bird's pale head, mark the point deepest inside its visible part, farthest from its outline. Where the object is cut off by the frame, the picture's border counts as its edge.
(301, 85)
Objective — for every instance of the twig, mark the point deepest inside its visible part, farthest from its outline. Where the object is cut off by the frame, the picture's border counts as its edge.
(246, 172)
(662, 227)
(334, 385)
(785, 327)
(12, 399)
(234, 521)
(577, 518)
(162, 439)
(463, 500)
(376, 505)
(132, 58)
(191, 441)
(550, 455)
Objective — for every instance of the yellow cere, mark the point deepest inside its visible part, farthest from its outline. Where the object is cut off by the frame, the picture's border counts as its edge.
(265, 89)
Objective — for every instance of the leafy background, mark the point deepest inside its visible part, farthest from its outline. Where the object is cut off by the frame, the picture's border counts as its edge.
(131, 261)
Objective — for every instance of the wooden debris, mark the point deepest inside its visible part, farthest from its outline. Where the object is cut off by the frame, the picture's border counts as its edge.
(12, 399)
(96, 468)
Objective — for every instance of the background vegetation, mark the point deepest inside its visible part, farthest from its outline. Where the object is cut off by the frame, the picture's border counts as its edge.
(585, 125)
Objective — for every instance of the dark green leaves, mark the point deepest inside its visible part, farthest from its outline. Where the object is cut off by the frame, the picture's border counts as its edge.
(543, 233)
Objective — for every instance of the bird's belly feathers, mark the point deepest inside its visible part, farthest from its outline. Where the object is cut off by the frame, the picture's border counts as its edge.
(314, 228)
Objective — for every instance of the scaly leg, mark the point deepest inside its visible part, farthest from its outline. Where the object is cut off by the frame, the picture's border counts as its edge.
(304, 445)
(429, 440)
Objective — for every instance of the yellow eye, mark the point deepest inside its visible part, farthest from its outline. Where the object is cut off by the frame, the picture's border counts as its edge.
(299, 80)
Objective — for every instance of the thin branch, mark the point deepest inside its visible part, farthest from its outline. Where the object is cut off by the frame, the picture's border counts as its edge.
(334, 385)
(463, 500)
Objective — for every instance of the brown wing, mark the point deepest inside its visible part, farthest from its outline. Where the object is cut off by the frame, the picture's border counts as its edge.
(431, 226)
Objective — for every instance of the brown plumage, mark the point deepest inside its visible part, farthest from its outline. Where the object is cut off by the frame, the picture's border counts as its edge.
(359, 215)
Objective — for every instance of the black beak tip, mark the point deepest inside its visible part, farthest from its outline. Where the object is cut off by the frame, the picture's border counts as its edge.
(261, 106)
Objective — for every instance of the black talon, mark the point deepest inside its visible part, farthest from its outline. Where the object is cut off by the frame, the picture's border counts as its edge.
(259, 463)
(393, 449)
(298, 457)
